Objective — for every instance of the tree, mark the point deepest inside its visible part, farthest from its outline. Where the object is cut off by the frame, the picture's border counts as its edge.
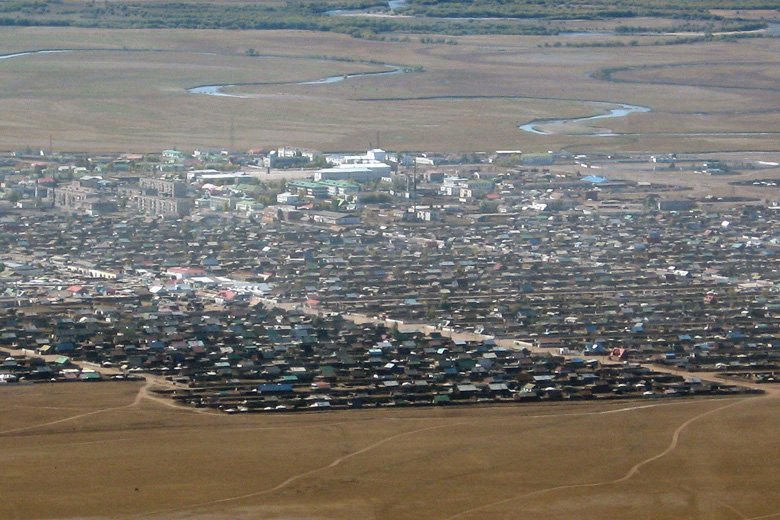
(394, 331)
(488, 206)
(651, 201)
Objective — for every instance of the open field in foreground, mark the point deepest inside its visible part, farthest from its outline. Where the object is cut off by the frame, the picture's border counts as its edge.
(126, 90)
(107, 451)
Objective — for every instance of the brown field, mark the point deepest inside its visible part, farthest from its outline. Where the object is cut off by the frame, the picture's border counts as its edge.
(105, 451)
(755, 76)
(116, 94)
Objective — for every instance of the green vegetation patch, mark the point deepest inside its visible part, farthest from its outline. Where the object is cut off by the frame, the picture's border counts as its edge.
(453, 17)
(580, 9)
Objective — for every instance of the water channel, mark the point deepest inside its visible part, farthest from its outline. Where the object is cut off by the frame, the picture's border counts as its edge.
(535, 127)
(622, 111)
(28, 53)
(392, 5)
(218, 90)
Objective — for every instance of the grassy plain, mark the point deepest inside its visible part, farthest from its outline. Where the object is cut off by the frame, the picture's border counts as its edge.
(96, 451)
(127, 91)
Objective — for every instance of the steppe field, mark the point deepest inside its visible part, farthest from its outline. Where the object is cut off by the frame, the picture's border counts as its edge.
(111, 450)
(127, 90)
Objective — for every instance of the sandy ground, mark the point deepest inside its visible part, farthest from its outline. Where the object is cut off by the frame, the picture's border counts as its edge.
(107, 450)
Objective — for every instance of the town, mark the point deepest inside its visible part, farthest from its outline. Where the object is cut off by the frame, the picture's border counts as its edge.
(290, 279)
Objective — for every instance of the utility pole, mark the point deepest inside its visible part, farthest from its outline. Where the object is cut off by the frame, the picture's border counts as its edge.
(232, 133)
(414, 184)
(411, 178)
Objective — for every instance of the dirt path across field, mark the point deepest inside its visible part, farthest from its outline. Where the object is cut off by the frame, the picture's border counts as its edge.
(633, 471)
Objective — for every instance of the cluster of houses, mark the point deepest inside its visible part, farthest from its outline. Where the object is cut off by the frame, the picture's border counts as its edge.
(685, 289)
(174, 184)
(576, 265)
(241, 358)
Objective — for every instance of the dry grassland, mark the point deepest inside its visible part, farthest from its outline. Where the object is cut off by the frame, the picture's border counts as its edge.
(101, 451)
(127, 90)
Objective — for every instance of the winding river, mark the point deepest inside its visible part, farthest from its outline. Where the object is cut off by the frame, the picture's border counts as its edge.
(622, 111)
(29, 53)
(219, 90)
(392, 5)
(537, 126)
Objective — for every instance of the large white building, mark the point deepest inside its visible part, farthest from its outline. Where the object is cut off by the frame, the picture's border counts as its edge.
(358, 173)
(288, 198)
(216, 176)
(358, 168)
(372, 156)
(465, 188)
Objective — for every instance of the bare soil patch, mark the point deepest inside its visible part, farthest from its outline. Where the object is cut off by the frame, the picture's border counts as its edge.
(654, 459)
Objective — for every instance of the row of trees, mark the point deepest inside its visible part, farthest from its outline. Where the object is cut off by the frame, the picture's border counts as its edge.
(580, 9)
